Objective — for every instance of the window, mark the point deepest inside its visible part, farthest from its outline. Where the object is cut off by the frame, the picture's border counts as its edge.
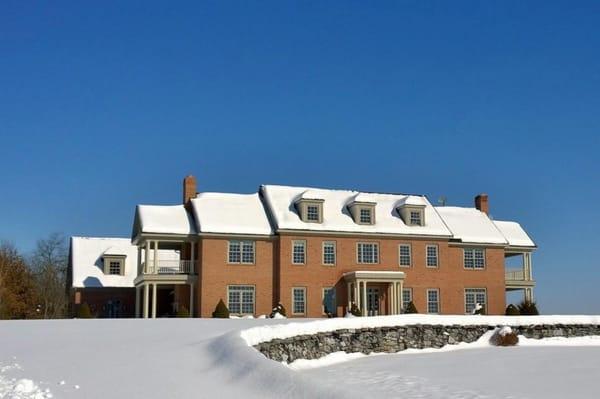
(312, 213)
(368, 252)
(365, 216)
(415, 218)
(474, 296)
(114, 267)
(299, 300)
(406, 297)
(240, 299)
(241, 252)
(329, 305)
(329, 253)
(404, 255)
(432, 256)
(299, 252)
(433, 301)
(474, 258)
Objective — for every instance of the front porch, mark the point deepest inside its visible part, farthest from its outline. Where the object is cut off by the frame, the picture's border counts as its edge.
(375, 292)
(519, 278)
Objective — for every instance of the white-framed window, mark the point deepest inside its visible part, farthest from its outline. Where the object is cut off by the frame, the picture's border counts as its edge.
(241, 251)
(474, 296)
(433, 300)
(365, 216)
(406, 297)
(404, 257)
(432, 255)
(114, 267)
(474, 258)
(299, 300)
(329, 253)
(367, 252)
(312, 213)
(299, 252)
(415, 218)
(329, 304)
(240, 299)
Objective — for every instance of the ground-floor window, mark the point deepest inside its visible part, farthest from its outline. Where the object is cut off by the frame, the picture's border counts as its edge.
(329, 306)
(474, 296)
(406, 297)
(241, 299)
(298, 300)
(433, 300)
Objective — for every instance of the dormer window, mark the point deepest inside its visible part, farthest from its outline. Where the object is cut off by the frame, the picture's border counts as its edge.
(310, 210)
(415, 218)
(114, 265)
(312, 213)
(365, 216)
(412, 210)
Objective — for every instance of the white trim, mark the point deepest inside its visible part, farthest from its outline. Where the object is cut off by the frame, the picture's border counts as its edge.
(334, 253)
(303, 242)
(437, 256)
(439, 302)
(404, 244)
(376, 243)
(294, 301)
(229, 286)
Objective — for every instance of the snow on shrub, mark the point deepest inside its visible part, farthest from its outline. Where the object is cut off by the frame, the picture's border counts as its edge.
(512, 310)
(504, 336)
(355, 311)
(221, 311)
(479, 309)
(278, 310)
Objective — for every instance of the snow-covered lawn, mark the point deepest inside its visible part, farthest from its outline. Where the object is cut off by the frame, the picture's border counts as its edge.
(203, 358)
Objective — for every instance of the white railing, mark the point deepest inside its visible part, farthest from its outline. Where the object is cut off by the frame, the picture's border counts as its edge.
(515, 274)
(169, 266)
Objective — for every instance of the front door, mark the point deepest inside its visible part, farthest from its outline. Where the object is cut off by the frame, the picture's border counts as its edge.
(372, 301)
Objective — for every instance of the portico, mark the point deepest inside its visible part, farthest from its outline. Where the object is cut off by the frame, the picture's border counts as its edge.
(365, 288)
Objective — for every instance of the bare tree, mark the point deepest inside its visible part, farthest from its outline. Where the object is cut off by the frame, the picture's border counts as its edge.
(49, 264)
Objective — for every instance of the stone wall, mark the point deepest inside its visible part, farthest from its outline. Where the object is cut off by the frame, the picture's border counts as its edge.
(399, 338)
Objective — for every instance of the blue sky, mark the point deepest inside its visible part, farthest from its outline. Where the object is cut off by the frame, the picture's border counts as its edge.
(107, 105)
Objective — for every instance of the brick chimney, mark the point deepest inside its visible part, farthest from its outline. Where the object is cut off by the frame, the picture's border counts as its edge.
(481, 203)
(189, 189)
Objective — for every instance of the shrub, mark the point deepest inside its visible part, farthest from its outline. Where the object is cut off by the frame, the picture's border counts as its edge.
(84, 311)
(411, 308)
(183, 312)
(355, 311)
(512, 310)
(221, 311)
(504, 336)
(278, 309)
(528, 308)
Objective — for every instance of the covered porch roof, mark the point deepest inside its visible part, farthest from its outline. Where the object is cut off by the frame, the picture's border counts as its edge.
(374, 275)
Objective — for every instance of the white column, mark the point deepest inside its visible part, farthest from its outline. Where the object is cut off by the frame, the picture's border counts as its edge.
(139, 260)
(356, 288)
(146, 294)
(193, 258)
(138, 303)
(154, 300)
(155, 261)
(146, 256)
(192, 300)
(400, 289)
(391, 301)
(364, 293)
(349, 294)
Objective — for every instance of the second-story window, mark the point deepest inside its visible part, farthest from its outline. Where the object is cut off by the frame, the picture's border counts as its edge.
(312, 213)
(365, 216)
(367, 252)
(329, 253)
(404, 255)
(241, 252)
(299, 252)
(474, 258)
(432, 256)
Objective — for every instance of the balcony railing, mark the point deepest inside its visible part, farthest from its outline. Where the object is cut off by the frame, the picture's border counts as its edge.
(515, 274)
(169, 266)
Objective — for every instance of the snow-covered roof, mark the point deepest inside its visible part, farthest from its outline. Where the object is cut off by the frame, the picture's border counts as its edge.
(414, 200)
(471, 225)
(115, 251)
(280, 201)
(87, 265)
(231, 213)
(163, 219)
(514, 234)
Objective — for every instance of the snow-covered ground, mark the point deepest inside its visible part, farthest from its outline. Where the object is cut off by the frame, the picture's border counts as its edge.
(203, 358)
